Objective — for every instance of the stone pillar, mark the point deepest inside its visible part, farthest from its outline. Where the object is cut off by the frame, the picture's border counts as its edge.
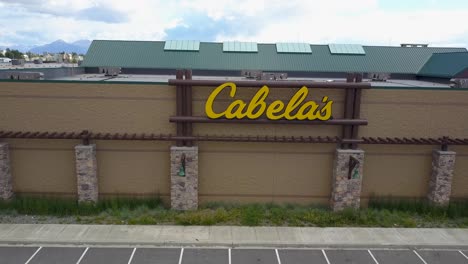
(86, 173)
(347, 179)
(440, 185)
(184, 178)
(6, 185)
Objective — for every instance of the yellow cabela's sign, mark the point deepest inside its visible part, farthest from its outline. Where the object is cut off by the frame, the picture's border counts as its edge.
(295, 109)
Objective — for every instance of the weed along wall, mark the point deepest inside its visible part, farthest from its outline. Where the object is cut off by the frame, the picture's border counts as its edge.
(188, 158)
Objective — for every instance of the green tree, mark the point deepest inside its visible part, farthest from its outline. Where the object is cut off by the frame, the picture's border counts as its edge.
(13, 54)
(7, 53)
(30, 54)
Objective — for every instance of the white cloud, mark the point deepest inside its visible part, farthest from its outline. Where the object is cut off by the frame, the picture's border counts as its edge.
(50, 6)
(364, 23)
(358, 21)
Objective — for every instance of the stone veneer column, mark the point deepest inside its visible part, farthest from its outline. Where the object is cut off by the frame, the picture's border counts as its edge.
(86, 173)
(184, 188)
(440, 185)
(346, 189)
(6, 185)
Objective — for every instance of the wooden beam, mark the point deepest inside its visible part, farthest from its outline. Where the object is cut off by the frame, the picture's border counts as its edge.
(202, 119)
(274, 84)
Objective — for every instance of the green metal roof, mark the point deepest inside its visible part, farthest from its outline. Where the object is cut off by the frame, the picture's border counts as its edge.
(151, 54)
(445, 65)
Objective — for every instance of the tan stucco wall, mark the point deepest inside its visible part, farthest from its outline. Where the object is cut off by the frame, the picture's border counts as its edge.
(399, 171)
(125, 167)
(43, 166)
(78, 106)
(237, 172)
(133, 167)
(460, 181)
(415, 113)
(266, 172)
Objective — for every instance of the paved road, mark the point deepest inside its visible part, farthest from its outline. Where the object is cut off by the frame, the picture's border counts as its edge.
(100, 255)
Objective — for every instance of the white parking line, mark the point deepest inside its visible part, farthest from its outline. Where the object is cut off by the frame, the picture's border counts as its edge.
(181, 254)
(229, 253)
(277, 256)
(419, 256)
(131, 256)
(463, 254)
(33, 255)
(82, 255)
(325, 255)
(372, 255)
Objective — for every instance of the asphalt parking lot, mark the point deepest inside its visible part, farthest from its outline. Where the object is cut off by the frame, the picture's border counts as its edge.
(98, 255)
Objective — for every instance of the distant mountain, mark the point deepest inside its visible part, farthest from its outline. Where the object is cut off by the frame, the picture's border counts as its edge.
(84, 43)
(23, 48)
(80, 47)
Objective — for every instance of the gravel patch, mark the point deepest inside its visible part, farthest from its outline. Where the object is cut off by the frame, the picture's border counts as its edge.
(36, 219)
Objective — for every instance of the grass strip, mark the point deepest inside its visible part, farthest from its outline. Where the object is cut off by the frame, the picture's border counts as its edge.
(381, 212)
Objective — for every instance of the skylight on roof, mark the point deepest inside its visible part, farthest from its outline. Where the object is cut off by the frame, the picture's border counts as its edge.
(293, 48)
(236, 46)
(353, 49)
(184, 45)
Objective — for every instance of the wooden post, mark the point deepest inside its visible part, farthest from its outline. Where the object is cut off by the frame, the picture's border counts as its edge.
(189, 107)
(352, 109)
(356, 110)
(179, 106)
(348, 110)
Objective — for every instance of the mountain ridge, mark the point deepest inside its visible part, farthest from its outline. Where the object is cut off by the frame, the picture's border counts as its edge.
(79, 46)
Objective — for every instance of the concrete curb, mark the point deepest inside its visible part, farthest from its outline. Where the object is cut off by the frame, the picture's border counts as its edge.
(234, 245)
(232, 236)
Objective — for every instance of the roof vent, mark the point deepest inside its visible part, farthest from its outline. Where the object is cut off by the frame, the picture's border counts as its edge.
(18, 62)
(260, 75)
(413, 45)
(251, 74)
(110, 71)
(378, 76)
(459, 83)
(274, 76)
(21, 75)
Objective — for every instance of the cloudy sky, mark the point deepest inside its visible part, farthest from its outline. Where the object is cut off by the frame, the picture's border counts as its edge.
(376, 22)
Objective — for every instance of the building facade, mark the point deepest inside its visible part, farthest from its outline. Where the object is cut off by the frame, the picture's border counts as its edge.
(397, 125)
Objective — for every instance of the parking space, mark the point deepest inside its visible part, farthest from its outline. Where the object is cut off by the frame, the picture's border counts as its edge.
(299, 256)
(259, 256)
(98, 255)
(156, 255)
(349, 256)
(404, 256)
(57, 255)
(16, 254)
(464, 253)
(442, 257)
(107, 255)
(205, 256)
